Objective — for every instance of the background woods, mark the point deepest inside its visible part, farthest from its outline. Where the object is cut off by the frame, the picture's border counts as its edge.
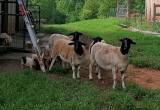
(63, 11)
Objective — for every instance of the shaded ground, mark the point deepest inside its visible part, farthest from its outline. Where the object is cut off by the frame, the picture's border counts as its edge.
(143, 76)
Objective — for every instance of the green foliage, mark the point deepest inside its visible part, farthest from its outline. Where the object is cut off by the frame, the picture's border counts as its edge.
(105, 7)
(90, 9)
(63, 11)
(145, 54)
(138, 6)
(58, 69)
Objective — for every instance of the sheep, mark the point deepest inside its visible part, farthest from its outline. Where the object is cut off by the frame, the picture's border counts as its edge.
(95, 40)
(53, 38)
(107, 56)
(8, 39)
(26, 62)
(32, 62)
(72, 52)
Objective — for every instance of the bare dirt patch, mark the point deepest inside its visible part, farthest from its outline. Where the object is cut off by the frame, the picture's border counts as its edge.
(146, 77)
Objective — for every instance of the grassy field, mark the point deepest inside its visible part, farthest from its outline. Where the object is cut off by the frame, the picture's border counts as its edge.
(145, 54)
(36, 91)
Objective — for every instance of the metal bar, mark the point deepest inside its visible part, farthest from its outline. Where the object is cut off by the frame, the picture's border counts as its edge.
(8, 1)
(30, 28)
(10, 14)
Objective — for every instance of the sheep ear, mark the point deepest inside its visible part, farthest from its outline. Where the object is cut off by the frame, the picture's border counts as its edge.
(72, 43)
(80, 33)
(120, 40)
(134, 43)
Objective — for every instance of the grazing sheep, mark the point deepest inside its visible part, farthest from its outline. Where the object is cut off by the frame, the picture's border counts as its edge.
(110, 57)
(72, 52)
(8, 39)
(32, 62)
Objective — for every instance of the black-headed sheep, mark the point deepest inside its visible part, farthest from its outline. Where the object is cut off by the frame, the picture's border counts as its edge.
(72, 52)
(110, 57)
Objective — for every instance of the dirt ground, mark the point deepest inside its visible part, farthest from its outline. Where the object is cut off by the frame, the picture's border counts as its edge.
(145, 77)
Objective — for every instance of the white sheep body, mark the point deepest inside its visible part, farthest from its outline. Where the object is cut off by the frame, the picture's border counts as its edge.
(108, 57)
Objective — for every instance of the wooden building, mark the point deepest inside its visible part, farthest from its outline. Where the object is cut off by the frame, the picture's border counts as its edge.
(152, 10)
(10, 21)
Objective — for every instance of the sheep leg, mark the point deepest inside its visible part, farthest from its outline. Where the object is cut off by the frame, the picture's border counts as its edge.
(99, 73)
(122, 78)
(90, 71)
(114, 77)
(78, 75)
(53, 60)
(97, 68)
(73, 69)
(63, 65)
(30, 67)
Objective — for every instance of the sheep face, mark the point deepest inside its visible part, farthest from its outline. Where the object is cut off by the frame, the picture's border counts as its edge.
(126, 44)
(75, 35)
(78, 47)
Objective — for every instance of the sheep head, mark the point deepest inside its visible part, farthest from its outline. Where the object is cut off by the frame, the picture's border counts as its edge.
(78, 47)
(126, 44)
(75, 35)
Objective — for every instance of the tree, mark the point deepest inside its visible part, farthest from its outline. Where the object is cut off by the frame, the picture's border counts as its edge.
(138, 5)
(70, 8)
(105, 7)
(90, 9)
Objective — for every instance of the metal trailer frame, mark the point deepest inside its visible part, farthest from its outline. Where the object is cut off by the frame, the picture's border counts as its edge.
(30, 29)
(17, 15)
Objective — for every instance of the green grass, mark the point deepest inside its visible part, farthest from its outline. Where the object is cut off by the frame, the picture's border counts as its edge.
(145, 54)
(35, 91)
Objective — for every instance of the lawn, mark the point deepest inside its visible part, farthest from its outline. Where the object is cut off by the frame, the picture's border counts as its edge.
(31, 90)
(145, 54)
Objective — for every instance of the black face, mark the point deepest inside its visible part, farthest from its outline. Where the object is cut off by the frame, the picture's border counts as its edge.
(126, 44)
(97, 39)
(24, 60)
(78, 47)
(75, 35)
